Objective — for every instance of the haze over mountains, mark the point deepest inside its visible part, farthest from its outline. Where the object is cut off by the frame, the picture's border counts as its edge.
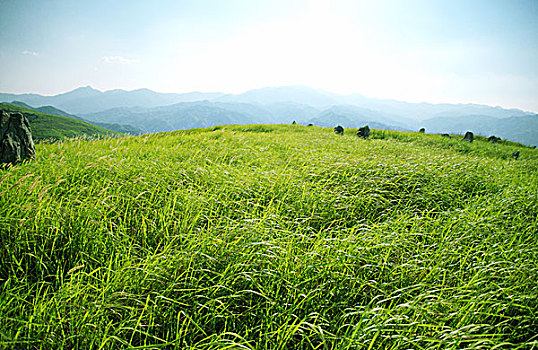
(151, 111)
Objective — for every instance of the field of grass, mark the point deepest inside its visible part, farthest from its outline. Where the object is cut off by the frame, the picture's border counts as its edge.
(54, 127)
(270, 237)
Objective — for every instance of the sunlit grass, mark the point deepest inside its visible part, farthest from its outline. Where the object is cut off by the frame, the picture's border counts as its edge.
(270, 237)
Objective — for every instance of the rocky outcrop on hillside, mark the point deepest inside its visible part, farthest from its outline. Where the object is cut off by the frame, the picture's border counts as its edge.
(16, 143)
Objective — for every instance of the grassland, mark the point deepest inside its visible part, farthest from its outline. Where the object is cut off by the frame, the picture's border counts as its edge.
(270, 237)
(53, 127)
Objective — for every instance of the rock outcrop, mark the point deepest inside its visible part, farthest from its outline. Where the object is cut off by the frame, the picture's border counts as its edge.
(339, 130)
(364, 132)
(494, 139)
(468, 136)
(16, 143)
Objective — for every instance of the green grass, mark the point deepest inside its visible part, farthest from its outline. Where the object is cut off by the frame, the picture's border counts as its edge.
(270, 237)
(54, 127)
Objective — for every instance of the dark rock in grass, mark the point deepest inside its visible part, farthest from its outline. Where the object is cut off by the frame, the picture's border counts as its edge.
(310, 124)
(16, 142)
(294, 123)
(422, 130)
(468, 136)
(445, 135)
(493, 139)
(515, 155)
(364, 132)
(339, 130)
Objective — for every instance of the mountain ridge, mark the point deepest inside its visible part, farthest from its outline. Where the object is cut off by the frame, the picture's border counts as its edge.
(266, 95)
(283, 104)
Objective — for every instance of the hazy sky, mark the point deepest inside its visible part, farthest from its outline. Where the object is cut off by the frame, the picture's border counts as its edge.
(481, 51)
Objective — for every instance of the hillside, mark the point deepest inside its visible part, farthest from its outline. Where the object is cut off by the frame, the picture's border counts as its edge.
(270, 237)
(46, 126)
(120, 128)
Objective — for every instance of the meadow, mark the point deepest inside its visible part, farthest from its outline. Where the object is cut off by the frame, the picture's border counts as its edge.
(270, 237)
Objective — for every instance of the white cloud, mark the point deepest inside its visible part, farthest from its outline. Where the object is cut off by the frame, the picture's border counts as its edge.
(30, 53)
(118, 59)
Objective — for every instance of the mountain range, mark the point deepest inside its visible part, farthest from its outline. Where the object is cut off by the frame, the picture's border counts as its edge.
(150, 111)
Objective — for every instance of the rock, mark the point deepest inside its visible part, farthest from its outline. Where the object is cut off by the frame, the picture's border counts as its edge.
(16, 142)
(364, 132)
(310, 124)
(494, 139)
(468, 136)
(422, 130)
(339, 130)
(515, 155)
(294, 123)
(445, 135)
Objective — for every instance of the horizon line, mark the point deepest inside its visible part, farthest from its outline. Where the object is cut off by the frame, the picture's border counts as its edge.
(88, 86)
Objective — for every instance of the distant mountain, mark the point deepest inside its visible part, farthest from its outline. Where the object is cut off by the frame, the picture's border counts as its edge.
(297, 94)
(286, 112)
(205, 113)
(152, 111)
(89, 100)
(86, 100)
(353, 117)
(320, 99)
(184, 115)
(522, 129)
(422, 111)
(46, 126)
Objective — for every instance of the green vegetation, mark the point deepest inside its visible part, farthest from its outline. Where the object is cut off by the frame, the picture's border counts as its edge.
(270, 237)
(54, 127)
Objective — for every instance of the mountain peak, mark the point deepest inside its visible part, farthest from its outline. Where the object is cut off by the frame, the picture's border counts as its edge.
(85, 88)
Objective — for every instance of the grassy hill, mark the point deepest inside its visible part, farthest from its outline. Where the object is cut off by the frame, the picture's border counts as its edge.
(46, 126)
(118, 128)
(270, 237)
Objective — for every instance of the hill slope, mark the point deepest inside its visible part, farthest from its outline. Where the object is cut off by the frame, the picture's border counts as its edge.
(46, 126)
(120, 128)
(270, 237)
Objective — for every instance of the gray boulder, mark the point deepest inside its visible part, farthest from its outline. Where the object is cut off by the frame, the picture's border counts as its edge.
(16, 142)
(364, 132)
(468, 136)
(493, 139)
(339, 130)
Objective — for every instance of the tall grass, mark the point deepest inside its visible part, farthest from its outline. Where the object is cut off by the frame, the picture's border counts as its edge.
(270, 237)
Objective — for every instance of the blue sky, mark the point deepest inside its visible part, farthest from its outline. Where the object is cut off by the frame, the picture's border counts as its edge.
(437, 51)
